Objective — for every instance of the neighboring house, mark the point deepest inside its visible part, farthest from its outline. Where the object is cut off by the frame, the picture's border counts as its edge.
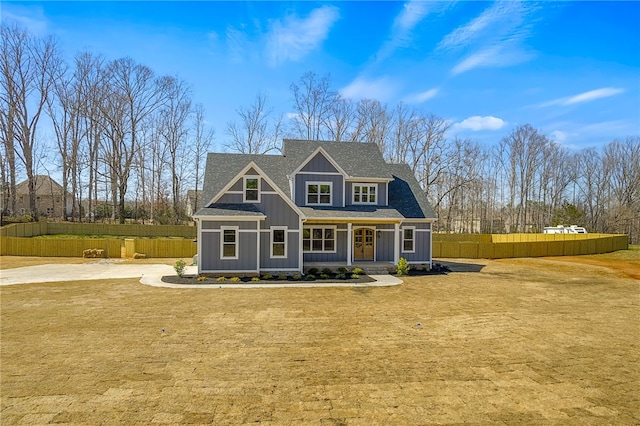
(49, 199)
(193, 201)
(319, 202)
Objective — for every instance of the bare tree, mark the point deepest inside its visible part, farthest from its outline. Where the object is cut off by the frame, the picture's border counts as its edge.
(134, 94)
(312, 102)
(340, 119)
(30, 66)
(255, 133)
(203, 138)
(174, 130)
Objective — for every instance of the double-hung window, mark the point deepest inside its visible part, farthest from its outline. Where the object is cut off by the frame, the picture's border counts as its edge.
(229, 242)
(251, 189)
(408, 239)
(319, 193)
(319, 240)
(364, 193)
(278, 241)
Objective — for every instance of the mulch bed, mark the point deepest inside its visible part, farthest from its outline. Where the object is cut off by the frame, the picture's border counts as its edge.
(192, 279)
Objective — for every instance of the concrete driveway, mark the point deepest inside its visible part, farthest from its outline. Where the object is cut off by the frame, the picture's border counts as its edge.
(81, 272)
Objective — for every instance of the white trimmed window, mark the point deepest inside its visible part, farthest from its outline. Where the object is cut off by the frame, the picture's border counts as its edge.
(365, 193)
(408, 239)
(278, 241)
(319, 193)
(251, 191)
(321, 240)
(228, 242)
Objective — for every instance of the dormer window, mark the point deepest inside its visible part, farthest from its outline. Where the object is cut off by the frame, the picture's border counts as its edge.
(251, 190)
(365, 193)
(319, 193)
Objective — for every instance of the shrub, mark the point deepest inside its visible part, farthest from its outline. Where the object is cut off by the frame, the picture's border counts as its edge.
(282, 277)
(358, 271)
(179, 267)
(312, 271)
(342, 270)
(267, 277)
(220, 279)
(324, 276)
(341, 276)
(355, 276)
(310, 277)
(403, 267)
(255, 278)
(235, 279)
(297, 277)
(327, 271)
(201, 278)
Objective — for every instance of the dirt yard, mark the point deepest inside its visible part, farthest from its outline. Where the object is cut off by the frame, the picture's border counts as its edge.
(520, 341)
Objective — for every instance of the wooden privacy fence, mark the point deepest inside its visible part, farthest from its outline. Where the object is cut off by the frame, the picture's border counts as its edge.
(15, 241)
(58, 247)
(113, 247)
(31, 229)
(501, 246)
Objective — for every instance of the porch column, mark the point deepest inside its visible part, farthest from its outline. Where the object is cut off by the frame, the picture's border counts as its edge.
(257, 246)
(349, 243)
(396, 243)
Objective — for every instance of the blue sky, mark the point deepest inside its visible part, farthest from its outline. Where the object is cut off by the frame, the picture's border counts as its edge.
(570, 69)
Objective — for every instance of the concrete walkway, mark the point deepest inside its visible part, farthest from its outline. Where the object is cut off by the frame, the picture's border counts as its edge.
(149, 275)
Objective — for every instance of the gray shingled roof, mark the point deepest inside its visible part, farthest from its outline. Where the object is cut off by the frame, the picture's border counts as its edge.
(358, 160)
(231, 210)
(362, 160)
(221, 168)
(406, 195)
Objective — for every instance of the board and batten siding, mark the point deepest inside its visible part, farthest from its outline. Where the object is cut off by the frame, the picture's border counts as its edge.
(422, 243)
(381, 195)
(278, 212)
(279, 263)
(319, 163)
(301, 180)
(341, 248)
(247, 250)
(384, 245)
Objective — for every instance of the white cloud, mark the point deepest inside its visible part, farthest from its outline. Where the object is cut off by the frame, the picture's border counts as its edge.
(478, 123)
(413, 12)
(495, 37)
(593, 95)
(501, 19)
(417, 98)
(381, 89)
(31, 18)
(293, 38)
(589, 96)
(559, 136)
(495, 56)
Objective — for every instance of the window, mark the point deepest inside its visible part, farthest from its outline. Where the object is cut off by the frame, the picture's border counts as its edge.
(49, 210)
(319, 192)
(408, 239)
(251, 190)
(278, 241)
(364, 194)
(319, 240)
(229, 243)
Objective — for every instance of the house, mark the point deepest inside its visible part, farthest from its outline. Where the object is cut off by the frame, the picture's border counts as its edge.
(49, 197)
(193, 201)
(320, 202)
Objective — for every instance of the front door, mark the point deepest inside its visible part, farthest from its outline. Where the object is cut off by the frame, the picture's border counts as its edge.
(363, 248)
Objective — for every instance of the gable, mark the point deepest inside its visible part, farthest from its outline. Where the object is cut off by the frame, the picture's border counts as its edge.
(319, 163)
